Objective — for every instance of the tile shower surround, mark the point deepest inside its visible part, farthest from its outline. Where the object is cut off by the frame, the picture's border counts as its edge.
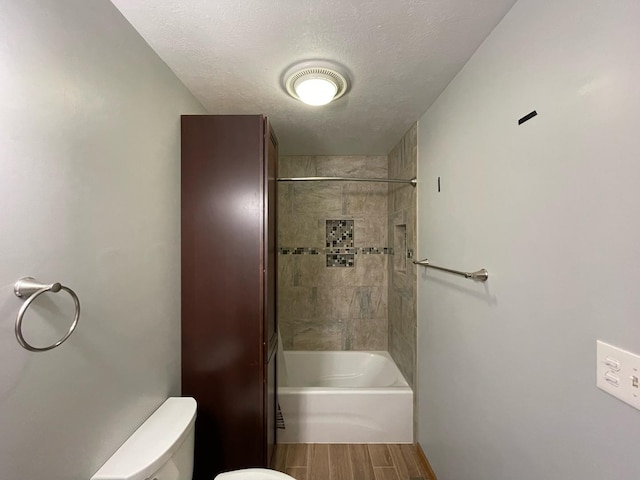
(329, 308)
(402, 314)
(371, 306)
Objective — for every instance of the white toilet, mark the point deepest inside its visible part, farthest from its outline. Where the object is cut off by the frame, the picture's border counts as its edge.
(162, 449)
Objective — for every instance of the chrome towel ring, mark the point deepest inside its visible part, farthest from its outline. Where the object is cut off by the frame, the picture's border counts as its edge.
(29, 287)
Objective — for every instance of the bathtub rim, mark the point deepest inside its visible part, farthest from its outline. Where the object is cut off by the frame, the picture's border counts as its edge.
(319, 390)
(392, 390)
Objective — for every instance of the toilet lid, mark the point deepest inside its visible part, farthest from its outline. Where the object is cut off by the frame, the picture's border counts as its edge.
(254, 474)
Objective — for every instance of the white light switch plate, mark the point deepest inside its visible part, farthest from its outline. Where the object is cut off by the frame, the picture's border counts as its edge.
(619, 373)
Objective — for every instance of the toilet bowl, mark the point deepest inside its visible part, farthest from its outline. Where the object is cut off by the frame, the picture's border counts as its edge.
(162, 449)
(254, 474)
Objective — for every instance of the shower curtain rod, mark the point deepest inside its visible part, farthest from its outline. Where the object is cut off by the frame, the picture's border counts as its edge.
(413, 182)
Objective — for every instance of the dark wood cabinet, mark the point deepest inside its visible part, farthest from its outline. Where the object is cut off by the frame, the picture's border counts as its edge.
(229, 326)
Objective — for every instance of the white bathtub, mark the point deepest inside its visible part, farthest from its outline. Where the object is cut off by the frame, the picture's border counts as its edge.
(344, 397)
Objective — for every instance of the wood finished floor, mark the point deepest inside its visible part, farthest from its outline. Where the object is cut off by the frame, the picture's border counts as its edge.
(349, 462)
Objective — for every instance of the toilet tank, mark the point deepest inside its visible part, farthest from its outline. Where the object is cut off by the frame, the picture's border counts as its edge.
(161, 449)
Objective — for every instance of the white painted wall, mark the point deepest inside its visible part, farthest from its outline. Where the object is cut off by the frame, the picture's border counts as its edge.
(551, 208)
(89, 196)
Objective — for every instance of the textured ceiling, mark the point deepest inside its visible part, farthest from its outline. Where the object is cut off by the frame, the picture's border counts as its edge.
(400, 55)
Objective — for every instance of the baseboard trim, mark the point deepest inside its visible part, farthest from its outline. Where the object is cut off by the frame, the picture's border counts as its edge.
(425, 462)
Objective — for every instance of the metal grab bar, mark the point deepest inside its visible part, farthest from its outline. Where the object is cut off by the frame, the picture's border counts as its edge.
(413, 182)
(480, 276)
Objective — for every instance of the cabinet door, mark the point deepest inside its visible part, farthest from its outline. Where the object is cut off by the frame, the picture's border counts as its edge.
(270, 328)
(271, 406)
(270, 172)
(223, 305)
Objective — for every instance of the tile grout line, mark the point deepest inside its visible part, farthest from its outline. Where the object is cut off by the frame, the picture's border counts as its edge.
(396, 470)
(373, 468)
(350, 463)
(395, 467)
(393, 461)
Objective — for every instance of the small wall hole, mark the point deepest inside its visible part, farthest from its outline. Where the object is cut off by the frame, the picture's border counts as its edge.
(528, 116)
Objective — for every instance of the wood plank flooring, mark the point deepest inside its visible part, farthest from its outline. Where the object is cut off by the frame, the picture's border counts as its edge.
(309, 461)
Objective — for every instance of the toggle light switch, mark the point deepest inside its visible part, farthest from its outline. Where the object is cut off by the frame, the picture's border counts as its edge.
(612, 378)
(612, 363)
(618, 373)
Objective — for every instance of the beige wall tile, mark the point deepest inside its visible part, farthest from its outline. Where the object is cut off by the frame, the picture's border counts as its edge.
(337, 303)
(402, 197)
(297, 166)
(366, 199)
(394, 309)
(403, 352)
(352, 166)
(317, 198)
(369, 302)
(371, 270)
(402, 283)
(319, 337)
(408, 317)
(367, 334)
(371, 231)
(301, 230)
(285, 196)
(286, 271)
(309, 268)
(297, 302)
(314, 272)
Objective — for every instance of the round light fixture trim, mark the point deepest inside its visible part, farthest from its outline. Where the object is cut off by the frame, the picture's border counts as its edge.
(315, 83)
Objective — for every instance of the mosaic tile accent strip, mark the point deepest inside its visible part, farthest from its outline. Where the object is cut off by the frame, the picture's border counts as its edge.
(300, 251)
(351, 251)
(376, 251)
(335, 251)
(340, 233)
(340, 260)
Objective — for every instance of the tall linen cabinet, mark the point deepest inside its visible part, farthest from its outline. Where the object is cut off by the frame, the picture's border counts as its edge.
(229, 329)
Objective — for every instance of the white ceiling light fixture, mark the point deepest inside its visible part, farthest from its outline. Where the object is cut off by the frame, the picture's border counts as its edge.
(315, 82)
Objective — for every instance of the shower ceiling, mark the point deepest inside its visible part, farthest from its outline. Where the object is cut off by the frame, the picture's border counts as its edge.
(400, 56)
